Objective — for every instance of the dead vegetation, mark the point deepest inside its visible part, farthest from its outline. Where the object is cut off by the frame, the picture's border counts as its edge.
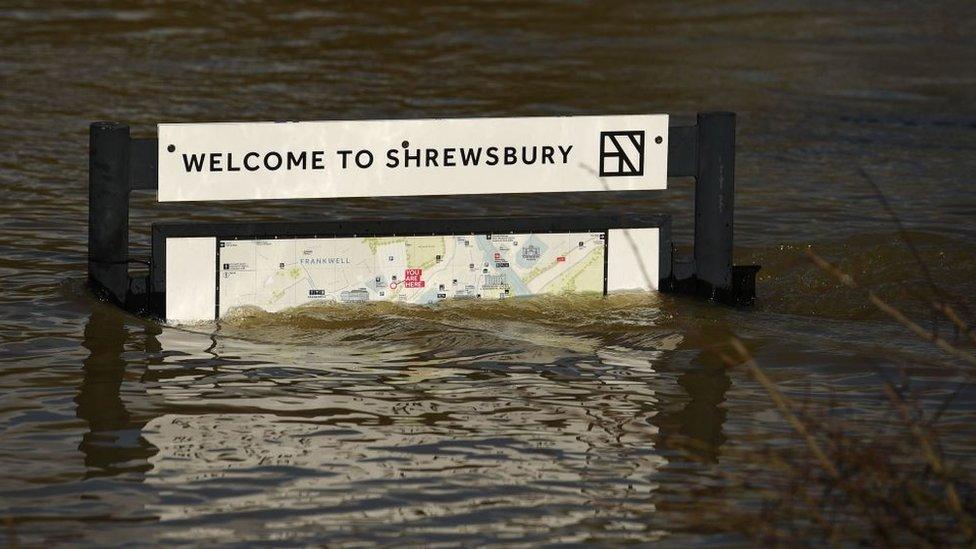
(851, 482)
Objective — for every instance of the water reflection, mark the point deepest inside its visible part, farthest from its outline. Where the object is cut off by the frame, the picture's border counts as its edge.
(516, 421)
(113, 443)
(697, 427)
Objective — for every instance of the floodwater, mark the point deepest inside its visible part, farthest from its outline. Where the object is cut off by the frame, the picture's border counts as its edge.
(564, 420)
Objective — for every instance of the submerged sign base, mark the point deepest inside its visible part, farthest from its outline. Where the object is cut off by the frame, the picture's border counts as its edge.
(206, 271)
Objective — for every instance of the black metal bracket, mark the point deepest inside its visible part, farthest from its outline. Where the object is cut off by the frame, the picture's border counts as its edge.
(119, 164)
(706, 152)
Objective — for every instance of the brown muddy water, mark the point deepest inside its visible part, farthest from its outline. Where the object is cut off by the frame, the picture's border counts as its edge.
(562, 420)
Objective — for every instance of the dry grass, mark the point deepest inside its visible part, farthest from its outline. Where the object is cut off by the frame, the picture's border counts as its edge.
(855, 483)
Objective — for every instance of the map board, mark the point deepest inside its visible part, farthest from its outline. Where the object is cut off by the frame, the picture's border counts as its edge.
(332, 159)
(209, 277)
(282, 273)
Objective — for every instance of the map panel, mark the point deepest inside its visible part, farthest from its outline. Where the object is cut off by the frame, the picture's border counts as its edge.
(279, 274)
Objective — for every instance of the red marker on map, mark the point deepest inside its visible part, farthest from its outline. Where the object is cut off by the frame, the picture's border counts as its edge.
(411, 278)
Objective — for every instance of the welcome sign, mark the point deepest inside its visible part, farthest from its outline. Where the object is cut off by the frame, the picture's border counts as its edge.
(201, 271)
(287, 160)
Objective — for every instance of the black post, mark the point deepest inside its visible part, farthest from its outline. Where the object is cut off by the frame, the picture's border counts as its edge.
(714, 198)
(108, 210)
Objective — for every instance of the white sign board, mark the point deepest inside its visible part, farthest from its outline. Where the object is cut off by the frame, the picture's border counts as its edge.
(209, 277)
(268, 160)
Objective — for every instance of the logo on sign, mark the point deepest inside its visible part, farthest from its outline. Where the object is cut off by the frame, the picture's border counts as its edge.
(621, 153)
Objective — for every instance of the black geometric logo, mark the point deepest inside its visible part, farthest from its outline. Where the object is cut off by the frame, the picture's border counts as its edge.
(621, 153)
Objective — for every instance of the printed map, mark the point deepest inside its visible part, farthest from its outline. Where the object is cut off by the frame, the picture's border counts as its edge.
(282, 273)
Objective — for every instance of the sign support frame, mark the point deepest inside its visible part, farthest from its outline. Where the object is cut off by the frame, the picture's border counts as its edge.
(119, 164)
